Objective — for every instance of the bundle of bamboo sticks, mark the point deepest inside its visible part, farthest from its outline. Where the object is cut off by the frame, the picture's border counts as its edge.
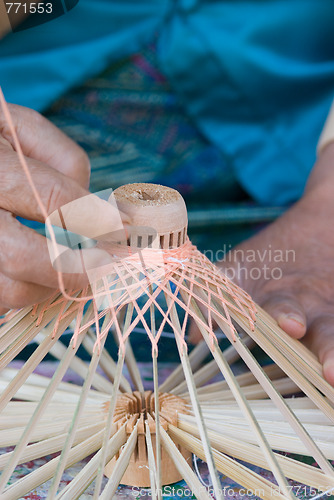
(251, 416)
(159, 279)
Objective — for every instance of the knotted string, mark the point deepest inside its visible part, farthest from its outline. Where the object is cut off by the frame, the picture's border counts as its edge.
(137, 272)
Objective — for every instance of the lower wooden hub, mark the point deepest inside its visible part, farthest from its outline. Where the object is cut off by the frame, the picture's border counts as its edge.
(137, 407)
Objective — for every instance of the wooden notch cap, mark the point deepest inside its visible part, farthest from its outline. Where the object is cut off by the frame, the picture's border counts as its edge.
(158, 215)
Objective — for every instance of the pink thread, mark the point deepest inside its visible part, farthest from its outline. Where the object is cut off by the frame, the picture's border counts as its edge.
(133, 273)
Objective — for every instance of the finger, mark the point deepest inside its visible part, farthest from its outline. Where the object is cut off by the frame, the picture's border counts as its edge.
(4, 142)
(320, 339)
(92, 217)
(56, 191)
(43, 141)
(288, 313)
(24, 256)
(54, 188)
(17, 294)
(194, 334)
(3, 311)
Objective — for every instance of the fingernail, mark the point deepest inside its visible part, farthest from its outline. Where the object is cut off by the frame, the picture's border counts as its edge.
(328, 370)
(295, 318)
(292, 324)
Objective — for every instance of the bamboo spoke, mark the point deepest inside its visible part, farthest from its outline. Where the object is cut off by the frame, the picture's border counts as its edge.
(151, 462)
(57, 377)
(77, 414)
(251, 453)
(244, 406)
(183, 467)
(196, 357)
(88, 473)
(270, 389)
(236, 471)
(195, 403)
(121, 465)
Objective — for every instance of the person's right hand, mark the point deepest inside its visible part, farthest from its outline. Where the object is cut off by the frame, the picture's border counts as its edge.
(60, 170)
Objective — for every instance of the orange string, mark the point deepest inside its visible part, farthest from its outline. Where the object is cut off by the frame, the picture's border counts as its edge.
(133, 273)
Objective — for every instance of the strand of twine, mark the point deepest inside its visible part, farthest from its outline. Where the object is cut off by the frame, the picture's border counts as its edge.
(186, 257)
(26, 170)
(159, 267)
(207, 485)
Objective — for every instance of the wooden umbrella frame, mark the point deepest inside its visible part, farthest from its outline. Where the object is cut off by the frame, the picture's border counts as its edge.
(245, 417)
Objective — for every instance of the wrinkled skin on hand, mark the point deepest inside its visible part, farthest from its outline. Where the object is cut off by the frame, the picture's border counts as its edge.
(302, 299)
(60, 170)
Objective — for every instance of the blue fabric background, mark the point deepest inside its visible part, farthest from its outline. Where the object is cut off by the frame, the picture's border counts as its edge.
(256, 76)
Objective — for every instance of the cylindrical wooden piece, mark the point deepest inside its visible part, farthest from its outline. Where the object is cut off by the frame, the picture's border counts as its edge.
(158, 215)
(133, 407)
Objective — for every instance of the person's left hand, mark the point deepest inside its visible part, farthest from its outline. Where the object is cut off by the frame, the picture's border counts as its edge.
(290, 266)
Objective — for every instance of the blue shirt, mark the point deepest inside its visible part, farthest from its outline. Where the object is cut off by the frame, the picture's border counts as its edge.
(256, 76)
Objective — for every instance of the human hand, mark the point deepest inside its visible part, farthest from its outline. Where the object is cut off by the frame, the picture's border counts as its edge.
(60, 170)
(288, 267)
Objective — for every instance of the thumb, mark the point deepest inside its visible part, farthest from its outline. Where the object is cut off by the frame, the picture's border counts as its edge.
(43, 141)
(288, 313)
(320, 339)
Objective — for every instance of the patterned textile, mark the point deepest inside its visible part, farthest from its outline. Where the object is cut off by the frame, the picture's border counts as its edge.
(257, 77)
(134, 129)
(231, 490)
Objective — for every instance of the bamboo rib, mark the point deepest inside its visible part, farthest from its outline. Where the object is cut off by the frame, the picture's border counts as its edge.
(19, 326)
(280, 441)
(99, 383)
(210, 369)
(194, 401)
(108, 425)
(236, 471)
(122, 355)
(251, 453)
(244, 406)
(106, 362)
(56, 412)
(76, 417)
(299, 377)
(88, 473)
(10, 437)
(46, 471)
(33, 392)
(184, 468)
(244, 379)
(121, 465)
(260, 408)
(157, 423)
(284, 386)
(151, 462)
(50, 445)
(196, 358)
(130, 360)
(11, 323)
(297, 346)
(299, 357)
(51, 389)
(33, 361)
(269, 387)
(22, 335)
(61, 370)
(275, 342)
